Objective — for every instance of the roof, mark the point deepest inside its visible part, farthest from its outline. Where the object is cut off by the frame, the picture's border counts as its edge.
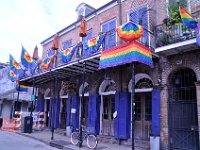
(63, 72)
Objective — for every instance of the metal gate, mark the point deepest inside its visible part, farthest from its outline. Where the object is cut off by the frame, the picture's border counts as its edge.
(183, 121)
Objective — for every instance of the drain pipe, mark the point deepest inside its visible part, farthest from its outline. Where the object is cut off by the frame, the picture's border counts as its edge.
(120, 42)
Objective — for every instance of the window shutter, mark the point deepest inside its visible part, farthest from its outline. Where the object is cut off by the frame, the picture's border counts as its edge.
(156, 112)
(75, 116)
(40, 105)
(56, 112)
(116, 120)
(140, 17)
(122, 122)
(93, 122)
(68, 123)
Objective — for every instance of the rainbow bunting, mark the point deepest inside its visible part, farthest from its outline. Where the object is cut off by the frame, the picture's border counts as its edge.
(67, 54)
(21, 87)
(129, 31)
(47, 62)
(125, 53)
(26, 59)
(14, 66)
(92, 46)
(187, 19)
(12, 76)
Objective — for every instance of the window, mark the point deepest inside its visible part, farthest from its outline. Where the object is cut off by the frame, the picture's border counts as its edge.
(89, 36)
(140, 16)
(137, 108)
(110, 39)
(67, 44)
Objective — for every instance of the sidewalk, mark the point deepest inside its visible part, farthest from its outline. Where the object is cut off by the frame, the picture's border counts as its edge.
(63, 142)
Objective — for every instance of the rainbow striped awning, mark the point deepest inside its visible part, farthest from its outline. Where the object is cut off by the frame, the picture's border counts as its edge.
(21, 88)
(187, 18)
(125, 53)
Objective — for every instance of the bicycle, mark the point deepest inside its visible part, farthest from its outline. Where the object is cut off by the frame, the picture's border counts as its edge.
(91, 139)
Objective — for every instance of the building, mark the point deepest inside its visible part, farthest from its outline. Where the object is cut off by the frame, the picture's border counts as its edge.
(167, 100)
(8, 96)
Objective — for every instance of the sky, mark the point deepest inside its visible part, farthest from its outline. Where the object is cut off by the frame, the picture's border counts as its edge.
(29, 22)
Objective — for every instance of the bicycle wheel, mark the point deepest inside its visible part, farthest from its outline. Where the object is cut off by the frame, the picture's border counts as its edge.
(74, 138)
(92, 141)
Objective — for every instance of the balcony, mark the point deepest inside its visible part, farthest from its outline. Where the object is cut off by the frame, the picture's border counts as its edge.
(166, 35)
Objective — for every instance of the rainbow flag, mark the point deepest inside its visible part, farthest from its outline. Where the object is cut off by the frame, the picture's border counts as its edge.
(187, 19)
(21, 87)
(125, 53)
(129, 31)
(26, 59)
(198, 34)
(92, 46)
(67, 54)
(12, 76)
(14, 65)
(47, 62)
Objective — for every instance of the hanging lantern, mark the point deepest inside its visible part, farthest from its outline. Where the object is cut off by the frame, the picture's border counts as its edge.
(130, 31)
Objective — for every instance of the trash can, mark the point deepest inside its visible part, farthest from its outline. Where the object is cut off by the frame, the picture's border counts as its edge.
(1, 122)
(27, 123)
(155, 142)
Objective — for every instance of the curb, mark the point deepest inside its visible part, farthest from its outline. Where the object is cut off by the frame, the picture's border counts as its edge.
(50, 143)
(40, 140)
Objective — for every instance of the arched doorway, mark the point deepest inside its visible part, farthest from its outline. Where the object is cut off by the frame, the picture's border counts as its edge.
(107, 91)
(143, 108)
(84, 102)
(183, 121)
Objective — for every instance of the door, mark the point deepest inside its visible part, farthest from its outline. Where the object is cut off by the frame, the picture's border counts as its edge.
(63, 114)
(183, 121)
(143, 118)
(107, 116)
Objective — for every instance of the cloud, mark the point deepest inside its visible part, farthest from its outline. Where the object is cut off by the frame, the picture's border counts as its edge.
(29, 22)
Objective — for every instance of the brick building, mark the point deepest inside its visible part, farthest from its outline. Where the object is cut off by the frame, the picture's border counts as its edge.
(167, 95)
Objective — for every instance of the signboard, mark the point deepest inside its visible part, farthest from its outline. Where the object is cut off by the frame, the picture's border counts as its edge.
(198, 34)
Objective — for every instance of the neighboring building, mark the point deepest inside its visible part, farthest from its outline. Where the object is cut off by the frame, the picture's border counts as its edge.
(8, 96)
(167, 100)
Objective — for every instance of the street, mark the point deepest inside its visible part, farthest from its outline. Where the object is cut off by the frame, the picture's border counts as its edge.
(12, 141)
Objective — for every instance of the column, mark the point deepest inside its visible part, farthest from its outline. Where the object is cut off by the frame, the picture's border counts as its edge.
(164, 133)
(198, 104)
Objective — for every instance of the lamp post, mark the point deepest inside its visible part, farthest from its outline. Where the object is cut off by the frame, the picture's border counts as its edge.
(133, 103)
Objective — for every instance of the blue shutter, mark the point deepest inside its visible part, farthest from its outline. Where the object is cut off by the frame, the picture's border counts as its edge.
(93, 122)
(50, 106)
(56, 112)
(75, 116)
(110, 39)
(40, 105)
(140, 16)
(156, 112)
(116, 120)
(105, 28)
(122, 121)
(68, 112)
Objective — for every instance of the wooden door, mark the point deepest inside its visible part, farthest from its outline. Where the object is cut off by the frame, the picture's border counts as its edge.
(107, 116)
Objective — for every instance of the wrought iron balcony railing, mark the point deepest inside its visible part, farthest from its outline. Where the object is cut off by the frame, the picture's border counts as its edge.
(166, 35)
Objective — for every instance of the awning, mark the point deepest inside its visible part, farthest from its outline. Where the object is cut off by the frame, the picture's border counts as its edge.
(63, 72)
